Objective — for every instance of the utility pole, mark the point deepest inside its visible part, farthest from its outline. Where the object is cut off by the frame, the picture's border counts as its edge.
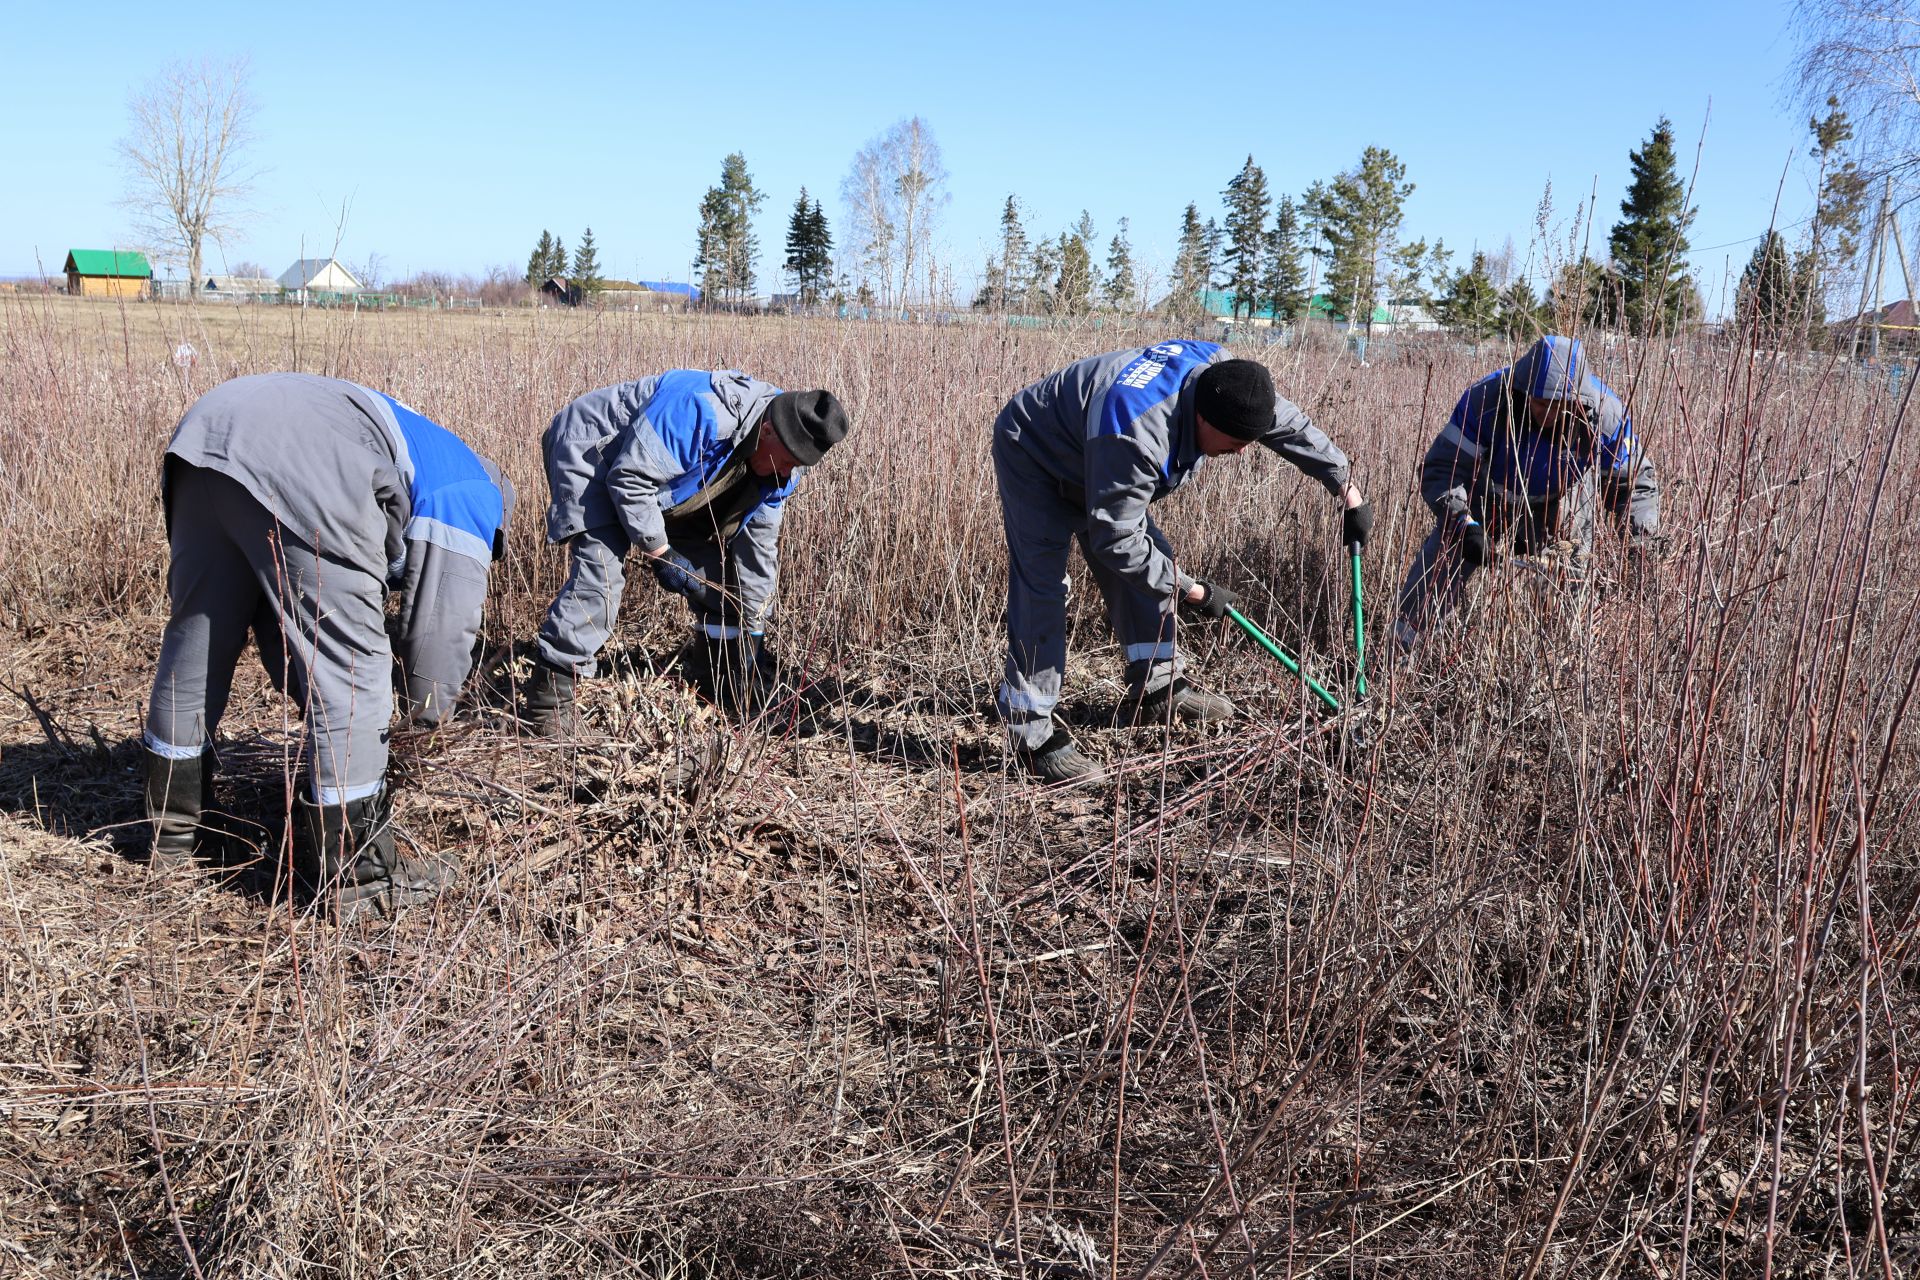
(1880, 267)
(1876, 251)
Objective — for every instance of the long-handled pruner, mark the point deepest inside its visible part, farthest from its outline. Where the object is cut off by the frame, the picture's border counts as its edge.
(1359, 628)
(1287, 660)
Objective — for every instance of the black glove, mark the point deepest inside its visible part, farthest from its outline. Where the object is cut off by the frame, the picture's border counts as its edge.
(1473, 543)
(1213, 604)
(676, 573)
(1357, 524)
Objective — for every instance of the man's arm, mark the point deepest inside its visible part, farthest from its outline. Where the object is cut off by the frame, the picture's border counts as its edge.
(1446, 476)
(441, 599)
(1632, 492)
(1120, 484)
(641, 470)
(1294, 437)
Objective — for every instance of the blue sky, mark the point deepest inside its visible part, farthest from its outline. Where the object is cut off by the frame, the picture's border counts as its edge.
(456, 134)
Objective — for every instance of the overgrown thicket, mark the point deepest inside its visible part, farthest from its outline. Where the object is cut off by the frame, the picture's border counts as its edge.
(1595, 957)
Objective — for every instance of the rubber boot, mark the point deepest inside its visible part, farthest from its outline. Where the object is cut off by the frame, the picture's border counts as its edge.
(548, 708)
(1058, 759)
(1184, 699)
(175, 796)
(344, 856)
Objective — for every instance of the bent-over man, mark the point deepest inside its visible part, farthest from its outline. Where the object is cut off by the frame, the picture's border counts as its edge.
(693, 469)
(294, 504)
(1527, 455)
(1083, 453)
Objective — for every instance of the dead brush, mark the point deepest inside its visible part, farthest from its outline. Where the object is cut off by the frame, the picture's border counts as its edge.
(1598, 960)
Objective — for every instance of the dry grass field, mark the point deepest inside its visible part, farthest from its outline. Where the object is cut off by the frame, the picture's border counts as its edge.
(1596, 956)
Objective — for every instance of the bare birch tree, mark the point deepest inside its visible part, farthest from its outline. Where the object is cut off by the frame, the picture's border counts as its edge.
(188, 130)
(1866, 53)
(894, 193)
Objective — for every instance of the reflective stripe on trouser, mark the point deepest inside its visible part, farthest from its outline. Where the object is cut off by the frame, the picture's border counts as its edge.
(581, 618)
(1040, 527)
(1438, 575)
(320, 626)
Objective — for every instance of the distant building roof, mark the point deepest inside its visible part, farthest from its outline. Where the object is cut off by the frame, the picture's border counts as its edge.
(241, 284)
(667, 286)
(307, 272)
(108, 262)
(1895, 315)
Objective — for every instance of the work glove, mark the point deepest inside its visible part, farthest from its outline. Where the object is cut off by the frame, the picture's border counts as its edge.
(1213, 604)
(1356, 524)
(1473, 542)
(675, 573)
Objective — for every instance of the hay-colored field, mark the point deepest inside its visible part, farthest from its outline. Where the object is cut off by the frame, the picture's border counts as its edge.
(1598, 960)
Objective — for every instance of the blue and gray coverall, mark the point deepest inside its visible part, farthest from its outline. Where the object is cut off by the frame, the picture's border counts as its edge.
(1492, 465)
(1082, 453)
(294, 503)
(653, 463)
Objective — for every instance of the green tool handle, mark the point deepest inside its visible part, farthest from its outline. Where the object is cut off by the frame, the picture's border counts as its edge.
(1286, 659)
(1359, 628)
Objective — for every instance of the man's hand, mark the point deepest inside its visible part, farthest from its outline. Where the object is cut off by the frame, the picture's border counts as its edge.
(1357, 524)
(1473, 542)
(1213, 601)
(675, 573)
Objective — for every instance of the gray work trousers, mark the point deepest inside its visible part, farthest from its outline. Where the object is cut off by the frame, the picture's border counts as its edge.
(581, 618)
(1041, 525)
(320, 626)
(1438, 576)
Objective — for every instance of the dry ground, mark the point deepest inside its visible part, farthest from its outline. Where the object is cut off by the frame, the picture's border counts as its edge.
(1595, 958)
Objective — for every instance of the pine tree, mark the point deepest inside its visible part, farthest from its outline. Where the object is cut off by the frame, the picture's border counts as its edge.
(1006, 270)
(1212, 240)
(1120, 283)
(1285, 283)
(1765, 299)
(1042, 274)
(586, 266)
(539, 260)
(1360, 214)
(1833, 242)
(725, 243)
(1191, 269)
(557, 262)
(1649, 243)
(1244, 266)
(809, 249)
(1073, 288)
(1471, 305)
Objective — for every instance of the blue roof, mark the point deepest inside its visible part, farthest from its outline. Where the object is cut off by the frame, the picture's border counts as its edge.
(667, 286)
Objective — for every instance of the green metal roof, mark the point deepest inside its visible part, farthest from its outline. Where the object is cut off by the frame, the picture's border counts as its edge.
(108, 262)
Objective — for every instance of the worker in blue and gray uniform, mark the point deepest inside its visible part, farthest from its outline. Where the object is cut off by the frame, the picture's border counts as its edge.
(294, 504)
(1526, 456)
(1083, 453)
(693, 469)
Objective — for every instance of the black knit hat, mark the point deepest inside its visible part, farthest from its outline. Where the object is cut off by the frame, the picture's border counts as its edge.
(808, 423)
(1236, 397)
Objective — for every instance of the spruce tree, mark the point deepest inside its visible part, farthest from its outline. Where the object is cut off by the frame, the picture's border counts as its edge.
(1006, 272)
(1243, 268)
(809, 249)
(1284, 285)
(1523, 318)
(586, 266)
(1649, 243)
(1120, 283)
(1764, 301)
(537, 262)
(1191, 269)
(1470, 304)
